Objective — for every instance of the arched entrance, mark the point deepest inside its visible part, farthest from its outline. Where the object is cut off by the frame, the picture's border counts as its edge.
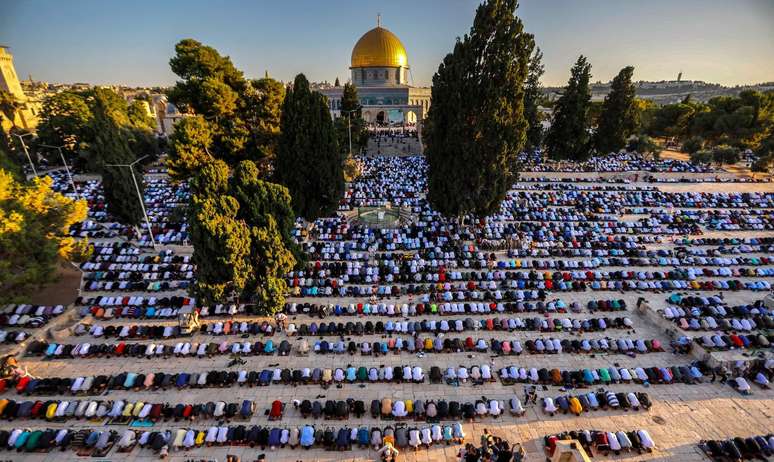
(410, 117)
(381, 117)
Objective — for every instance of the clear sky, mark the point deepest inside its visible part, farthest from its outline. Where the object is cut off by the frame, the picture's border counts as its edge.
(112, 41)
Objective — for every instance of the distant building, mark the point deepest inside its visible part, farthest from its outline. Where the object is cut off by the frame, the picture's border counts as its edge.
(27, 111)
(166, 114)
(380, 71)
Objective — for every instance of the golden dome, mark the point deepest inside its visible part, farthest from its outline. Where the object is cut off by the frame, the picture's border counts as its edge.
(379, 48)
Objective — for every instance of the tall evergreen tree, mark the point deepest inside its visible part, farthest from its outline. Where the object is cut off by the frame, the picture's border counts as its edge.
(476, 125)
(309, 162)
(221, 241)
(265, 114)
(351, 121)
(110, 146)
(240, 229)
(532, 96)
(568, 136)
(619, 114)
(267, 209)
(261, 198)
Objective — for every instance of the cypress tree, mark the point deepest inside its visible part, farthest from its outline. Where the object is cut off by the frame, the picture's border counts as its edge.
(476, 125)
(532, 96)
(241, 231)
(309, 162)
(568, 137)
(110, 146)
(351, 114)
(221, 241)
(619, 117)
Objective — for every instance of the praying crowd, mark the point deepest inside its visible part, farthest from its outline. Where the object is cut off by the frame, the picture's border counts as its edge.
(611, 298)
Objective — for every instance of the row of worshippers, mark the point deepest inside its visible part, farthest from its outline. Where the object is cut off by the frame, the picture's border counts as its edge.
(735, 341)
(350, 374)
(419, 270)
(538, 245)
(591, 401)
(62, 410)
(623, 161)
(604, 442)
(398, 409)
(443, 279)
(432, 325)
(415, 344)
(220, 379)
(417, 309)
(136, 286)
(168, 331)
(13, 336)
(739, 448)
(160, 351)
(123, 252)
(27, 315)
(745, 318)
(512, 289)
(44, 440)
(306, 436)
(416, 270)
(137, 309)
(607, 199)
(588, 376)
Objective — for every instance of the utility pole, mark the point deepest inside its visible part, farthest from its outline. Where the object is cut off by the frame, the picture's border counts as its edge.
(24, 146)
(139, 195)
(67, 169)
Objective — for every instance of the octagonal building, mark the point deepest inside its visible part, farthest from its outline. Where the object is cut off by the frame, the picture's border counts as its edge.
(380, 70)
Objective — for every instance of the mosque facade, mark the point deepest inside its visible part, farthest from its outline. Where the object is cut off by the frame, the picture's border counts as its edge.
(380, 70)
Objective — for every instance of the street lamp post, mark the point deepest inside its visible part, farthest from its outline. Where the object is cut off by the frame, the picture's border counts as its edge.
(139, 195)
(24, 146)
(67, 169)
(349, 128)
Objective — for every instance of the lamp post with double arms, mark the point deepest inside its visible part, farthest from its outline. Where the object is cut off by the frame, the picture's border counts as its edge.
(139, 194)
(67, 169)
(24, 146)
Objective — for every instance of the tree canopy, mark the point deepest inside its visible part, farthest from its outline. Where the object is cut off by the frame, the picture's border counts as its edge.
(34, 225)
(67, 120)
(309, 162)
(63, 121)
(743, 121)
(476, 126)
(568, 136)
(110, 147)
(242, 117)
(351, 122)
(618, 119)
(189, 144)
(240, 230)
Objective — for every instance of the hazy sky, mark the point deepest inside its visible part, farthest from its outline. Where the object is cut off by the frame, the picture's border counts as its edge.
(111, 41)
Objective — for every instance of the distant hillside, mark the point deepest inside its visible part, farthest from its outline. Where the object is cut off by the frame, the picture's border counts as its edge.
(670, 91)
